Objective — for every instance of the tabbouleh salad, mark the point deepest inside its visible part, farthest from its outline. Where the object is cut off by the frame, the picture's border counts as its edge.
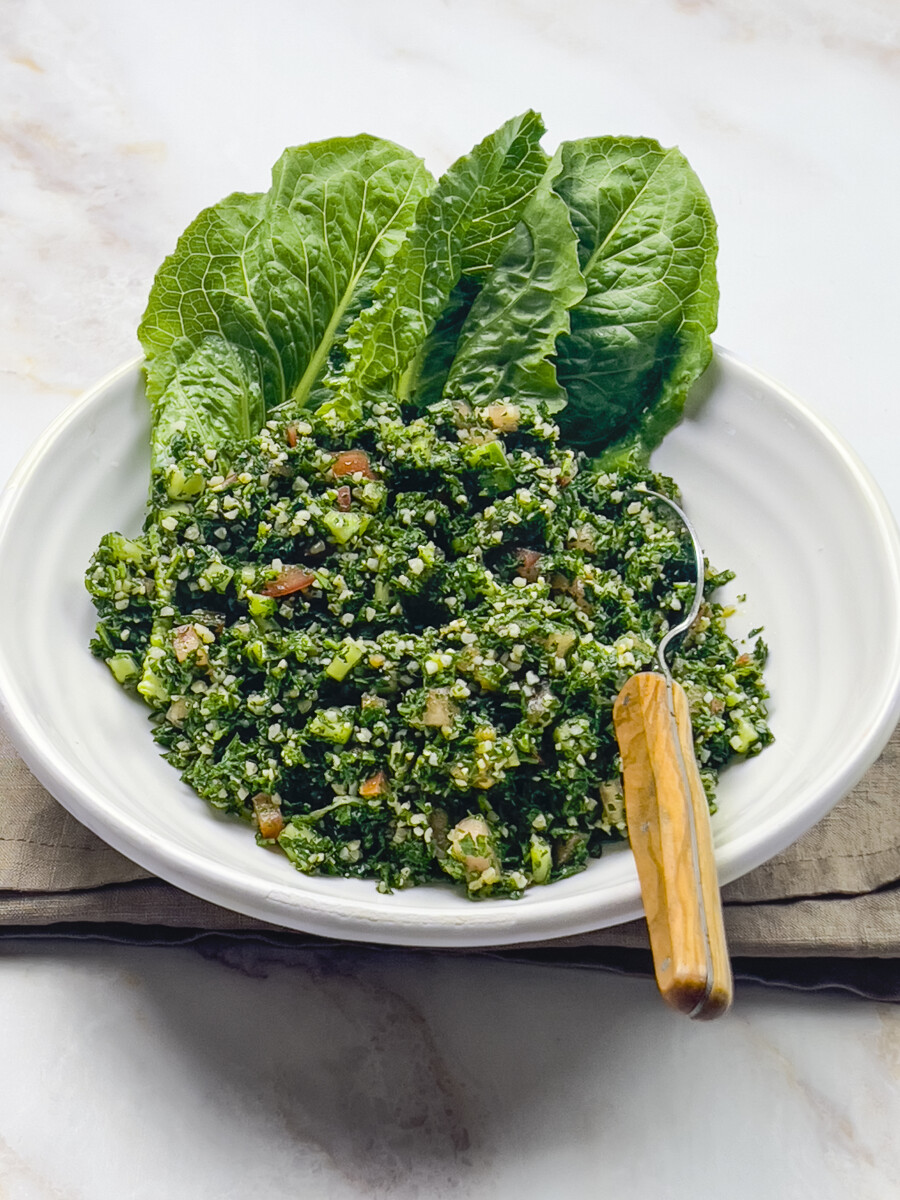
(395, 647)
(399, 557)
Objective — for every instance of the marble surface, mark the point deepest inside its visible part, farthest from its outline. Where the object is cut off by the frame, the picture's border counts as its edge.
(348, 1074)
(137, 1072)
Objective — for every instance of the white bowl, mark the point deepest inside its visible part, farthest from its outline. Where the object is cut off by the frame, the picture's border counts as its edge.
(776, 496)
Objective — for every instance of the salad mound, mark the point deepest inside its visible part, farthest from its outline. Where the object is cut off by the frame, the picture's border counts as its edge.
(397, 561)
(393, 644)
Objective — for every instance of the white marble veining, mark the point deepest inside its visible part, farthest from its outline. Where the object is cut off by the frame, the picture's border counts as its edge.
(153, 1072)
(348, 1074)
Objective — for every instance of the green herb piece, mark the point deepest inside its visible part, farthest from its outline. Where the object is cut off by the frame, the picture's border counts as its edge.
(490, 456)
(307, 849)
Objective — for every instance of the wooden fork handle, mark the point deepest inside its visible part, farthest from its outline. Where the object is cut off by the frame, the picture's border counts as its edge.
(668, 826)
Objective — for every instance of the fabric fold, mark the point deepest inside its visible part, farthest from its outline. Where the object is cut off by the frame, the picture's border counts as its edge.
(834, 894)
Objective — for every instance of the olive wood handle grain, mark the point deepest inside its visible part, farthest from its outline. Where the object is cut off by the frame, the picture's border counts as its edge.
(668, 827)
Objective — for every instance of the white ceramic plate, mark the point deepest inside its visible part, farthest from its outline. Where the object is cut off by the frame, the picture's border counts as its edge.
(776, 496)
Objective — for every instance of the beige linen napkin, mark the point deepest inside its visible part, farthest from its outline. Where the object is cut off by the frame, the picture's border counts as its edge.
(834, 894)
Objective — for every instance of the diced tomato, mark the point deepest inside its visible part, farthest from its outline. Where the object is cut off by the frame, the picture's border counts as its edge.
(291, 434)
(186, 640)
(528, 564)
(439, 708)
(268, 815)
(352, 462)
(291, 579)
(559, 583)
(504, 417)
(375, 785)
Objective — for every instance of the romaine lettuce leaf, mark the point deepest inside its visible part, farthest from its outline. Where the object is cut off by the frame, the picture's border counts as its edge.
(261, 288)
(506, 345)
(213, 395)
(460, 229)
(641, 336)
(587, 284)
(424, 379)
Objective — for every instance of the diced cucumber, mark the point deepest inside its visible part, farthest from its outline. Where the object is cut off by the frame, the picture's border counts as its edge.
(345, 660)
(123, 667)
(345, 526)
(261, 606)
(541, 859)
(179, 485)
(331, 725)
(745, 734)
(215, 577)
(153, 689)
